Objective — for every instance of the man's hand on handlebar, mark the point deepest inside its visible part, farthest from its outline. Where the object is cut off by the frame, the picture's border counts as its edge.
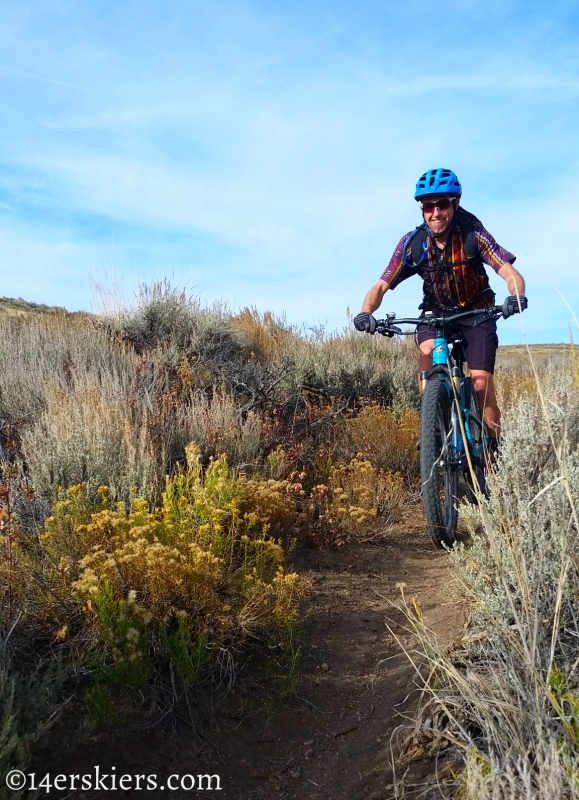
(511, 305)
(365, 322)
(390, 326)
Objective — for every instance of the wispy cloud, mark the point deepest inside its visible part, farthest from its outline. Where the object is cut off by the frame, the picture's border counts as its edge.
(42, 79)
(269, 156)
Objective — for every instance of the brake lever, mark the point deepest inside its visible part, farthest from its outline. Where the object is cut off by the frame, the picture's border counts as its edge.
(389, 331)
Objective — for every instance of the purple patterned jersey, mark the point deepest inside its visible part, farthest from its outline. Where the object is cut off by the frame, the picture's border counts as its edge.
(449, 280)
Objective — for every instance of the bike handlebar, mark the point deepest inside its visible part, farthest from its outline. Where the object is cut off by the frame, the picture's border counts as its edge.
(387, 327)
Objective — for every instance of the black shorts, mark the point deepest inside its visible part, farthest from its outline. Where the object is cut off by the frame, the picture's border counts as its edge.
(480, 342)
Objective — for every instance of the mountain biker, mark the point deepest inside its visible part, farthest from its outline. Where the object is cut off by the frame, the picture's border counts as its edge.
(454, 279)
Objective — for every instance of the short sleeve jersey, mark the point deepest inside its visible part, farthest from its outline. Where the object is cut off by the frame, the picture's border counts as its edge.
(449, 280)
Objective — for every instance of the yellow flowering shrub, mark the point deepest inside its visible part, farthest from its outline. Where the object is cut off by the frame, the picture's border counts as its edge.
(271, 504)
(203, 564)
(277, 599)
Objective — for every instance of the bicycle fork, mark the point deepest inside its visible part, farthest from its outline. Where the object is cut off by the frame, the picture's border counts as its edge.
(457, 441)
(459, 421)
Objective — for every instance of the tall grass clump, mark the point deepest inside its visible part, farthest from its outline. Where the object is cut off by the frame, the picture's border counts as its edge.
(177, 326)
(39, 352)
(357, 367)
(216, 426)
(85, 406)
(505, 699)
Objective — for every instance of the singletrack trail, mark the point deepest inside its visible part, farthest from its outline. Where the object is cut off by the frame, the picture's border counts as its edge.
(331, 740)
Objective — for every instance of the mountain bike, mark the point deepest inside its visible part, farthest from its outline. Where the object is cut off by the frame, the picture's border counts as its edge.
(453, 437)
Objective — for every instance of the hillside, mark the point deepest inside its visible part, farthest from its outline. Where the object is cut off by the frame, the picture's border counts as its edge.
(213, 557)
(18, 307)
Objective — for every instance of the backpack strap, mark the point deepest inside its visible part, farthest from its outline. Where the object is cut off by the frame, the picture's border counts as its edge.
(418, 240)
(466, 222)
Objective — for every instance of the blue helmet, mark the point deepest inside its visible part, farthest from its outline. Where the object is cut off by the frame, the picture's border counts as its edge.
(438, 181)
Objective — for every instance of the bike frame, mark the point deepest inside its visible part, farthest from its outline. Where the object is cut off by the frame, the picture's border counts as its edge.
(440, 353)
(454, 380)
(451, 373)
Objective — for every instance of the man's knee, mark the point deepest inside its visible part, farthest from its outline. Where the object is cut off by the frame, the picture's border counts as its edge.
(483, 382)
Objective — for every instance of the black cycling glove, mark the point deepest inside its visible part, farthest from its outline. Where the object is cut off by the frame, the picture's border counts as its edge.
(511, 305)
(365, 322)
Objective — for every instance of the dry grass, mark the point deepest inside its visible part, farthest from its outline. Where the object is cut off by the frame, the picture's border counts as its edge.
(386, 438)
(216, 426)
(181, 563)
(505, 700)
(267, 337)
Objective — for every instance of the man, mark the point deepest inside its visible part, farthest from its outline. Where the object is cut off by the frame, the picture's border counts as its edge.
(448, 252)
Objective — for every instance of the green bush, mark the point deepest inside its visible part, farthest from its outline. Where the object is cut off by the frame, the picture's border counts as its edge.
(177, 327)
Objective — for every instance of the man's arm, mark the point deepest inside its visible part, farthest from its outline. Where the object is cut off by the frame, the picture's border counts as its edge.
(374, 297)
(514, 280)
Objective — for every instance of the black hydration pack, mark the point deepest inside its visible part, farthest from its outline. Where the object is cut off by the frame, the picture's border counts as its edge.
(464, 221)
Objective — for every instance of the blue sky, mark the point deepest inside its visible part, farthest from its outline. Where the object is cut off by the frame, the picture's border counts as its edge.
(265, 153)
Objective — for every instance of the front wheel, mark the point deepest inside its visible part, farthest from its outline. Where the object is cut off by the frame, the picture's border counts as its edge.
(438, 473)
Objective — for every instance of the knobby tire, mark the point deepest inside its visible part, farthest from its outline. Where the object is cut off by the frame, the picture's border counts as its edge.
(439, 478)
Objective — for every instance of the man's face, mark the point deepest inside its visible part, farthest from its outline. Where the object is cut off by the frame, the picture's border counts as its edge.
(438, 212)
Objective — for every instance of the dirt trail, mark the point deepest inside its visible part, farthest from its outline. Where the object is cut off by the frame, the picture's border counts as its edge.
(331, 741)
(350, 710)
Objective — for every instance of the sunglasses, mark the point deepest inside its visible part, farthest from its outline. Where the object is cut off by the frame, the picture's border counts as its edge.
(444, 204)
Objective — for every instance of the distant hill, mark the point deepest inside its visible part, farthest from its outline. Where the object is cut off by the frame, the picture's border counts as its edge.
(536, 349)
(543, 356)
(19, 308)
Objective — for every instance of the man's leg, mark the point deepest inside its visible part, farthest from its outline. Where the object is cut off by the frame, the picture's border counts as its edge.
(484, 386)
(481, 350)
(425, 356)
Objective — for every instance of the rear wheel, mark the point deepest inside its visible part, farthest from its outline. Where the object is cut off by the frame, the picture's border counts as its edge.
(439, 476)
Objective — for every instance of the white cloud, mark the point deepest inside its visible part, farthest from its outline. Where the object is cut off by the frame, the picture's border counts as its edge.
(290, 145)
